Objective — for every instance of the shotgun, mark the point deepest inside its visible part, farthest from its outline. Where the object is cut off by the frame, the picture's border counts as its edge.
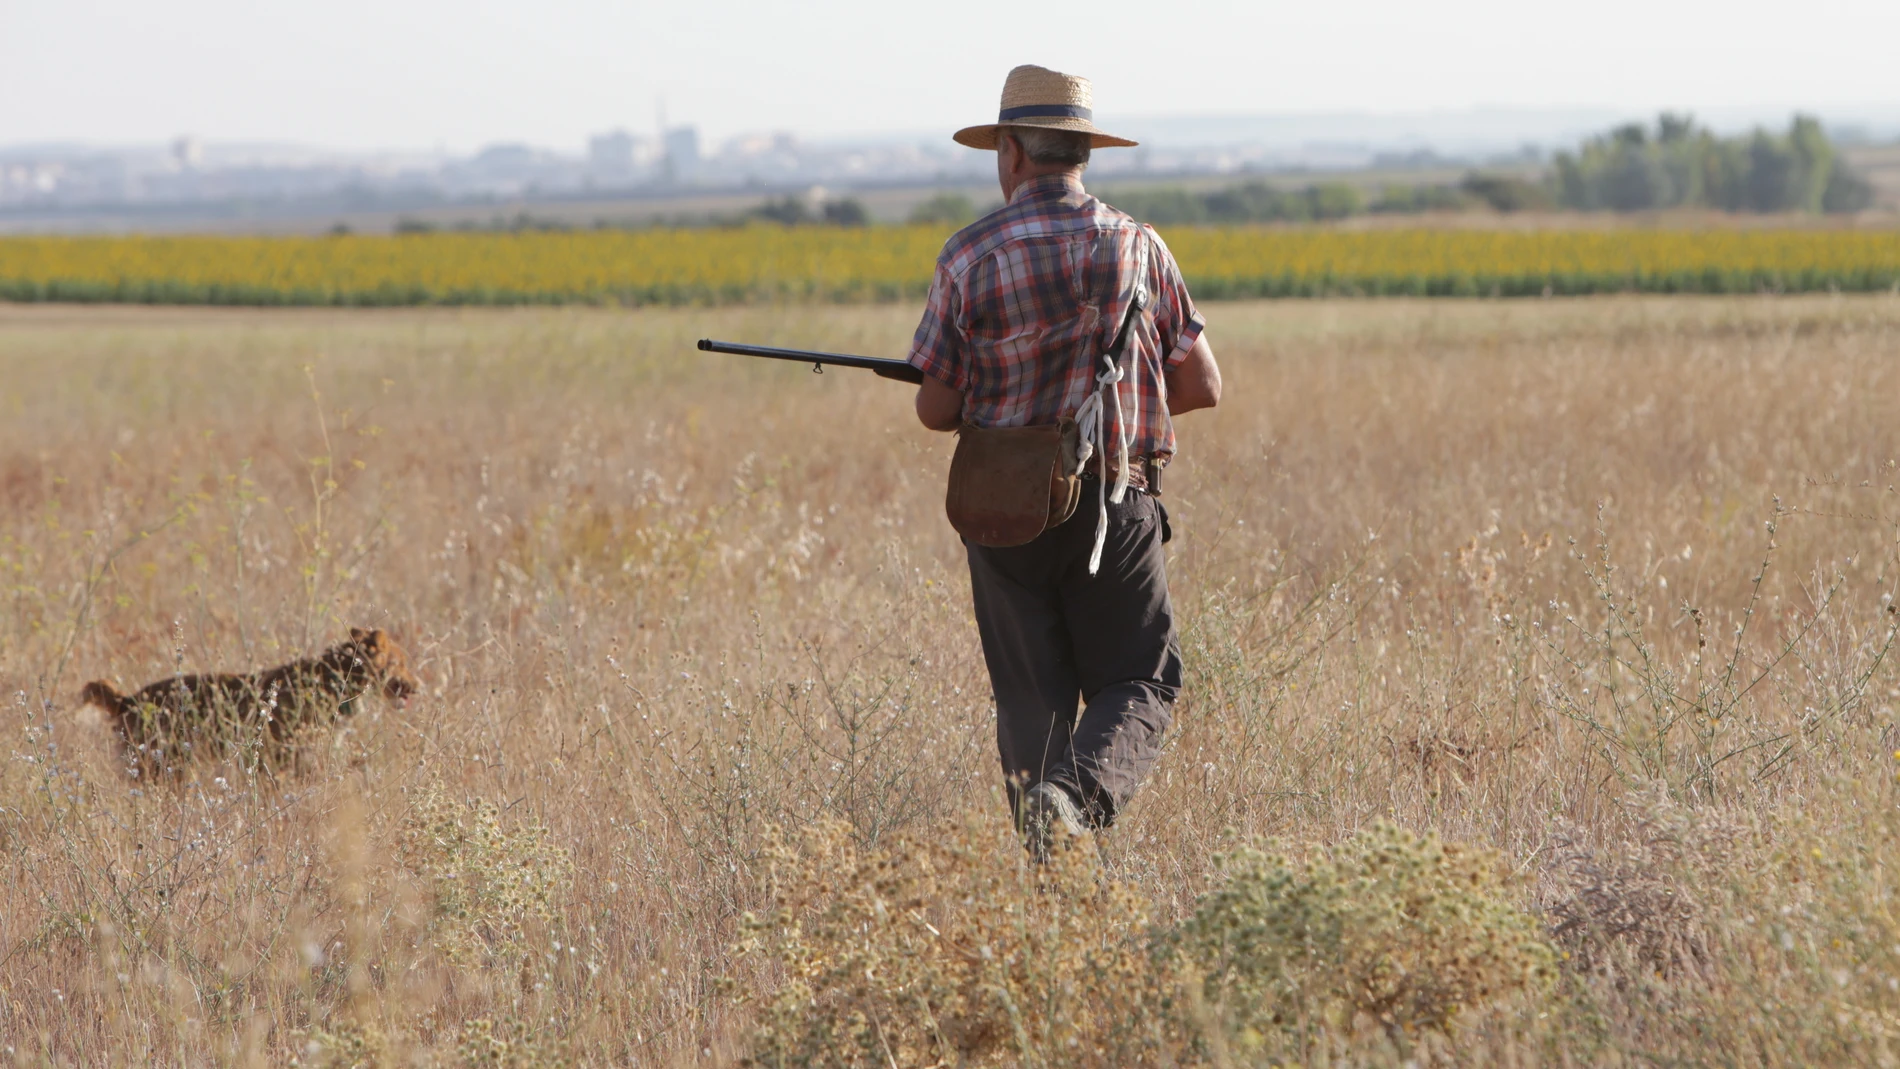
(890, 369)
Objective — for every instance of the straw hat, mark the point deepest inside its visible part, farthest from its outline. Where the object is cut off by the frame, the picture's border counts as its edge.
(1038, 96)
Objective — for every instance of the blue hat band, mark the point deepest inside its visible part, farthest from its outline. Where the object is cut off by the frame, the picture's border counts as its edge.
(1046, 111)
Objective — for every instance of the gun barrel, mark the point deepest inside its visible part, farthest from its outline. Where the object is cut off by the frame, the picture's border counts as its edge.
(890, 369)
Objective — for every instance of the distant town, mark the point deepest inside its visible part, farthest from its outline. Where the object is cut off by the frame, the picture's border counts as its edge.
(193, 183)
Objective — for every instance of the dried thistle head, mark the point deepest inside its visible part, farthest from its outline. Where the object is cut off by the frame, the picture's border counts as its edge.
(1406, 931)
(488, 880)
(949, 949)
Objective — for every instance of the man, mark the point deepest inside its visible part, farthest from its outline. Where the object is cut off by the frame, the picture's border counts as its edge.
(1024, 305)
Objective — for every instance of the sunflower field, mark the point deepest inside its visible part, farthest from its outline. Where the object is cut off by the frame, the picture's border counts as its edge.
(773, 263)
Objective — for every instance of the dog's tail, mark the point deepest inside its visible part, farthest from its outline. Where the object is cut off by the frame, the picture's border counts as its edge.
(105, 696)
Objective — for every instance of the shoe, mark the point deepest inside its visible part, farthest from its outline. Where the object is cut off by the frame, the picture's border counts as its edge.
(1049, 813)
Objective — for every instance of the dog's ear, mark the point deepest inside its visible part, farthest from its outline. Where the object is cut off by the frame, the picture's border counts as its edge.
(358, 634)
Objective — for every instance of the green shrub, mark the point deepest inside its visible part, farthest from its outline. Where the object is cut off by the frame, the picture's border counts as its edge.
(847, 212)
(949, 951)
(1401, 200)
(1846, 192)
(1167, 206)
(1250, 202)
(1506, 193)
(952, 951)
(952, 209)
(1403, 930)
(788, 210)
(1331, 200)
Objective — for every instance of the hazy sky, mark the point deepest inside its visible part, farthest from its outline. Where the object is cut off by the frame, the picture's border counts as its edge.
(427, 73)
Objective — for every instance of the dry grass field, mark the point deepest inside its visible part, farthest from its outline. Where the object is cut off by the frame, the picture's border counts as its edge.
(1604, 586)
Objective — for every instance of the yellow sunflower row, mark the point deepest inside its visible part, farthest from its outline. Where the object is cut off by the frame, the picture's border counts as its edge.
(886, 263)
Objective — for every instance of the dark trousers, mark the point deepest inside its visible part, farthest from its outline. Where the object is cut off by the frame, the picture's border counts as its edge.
(1053, 633)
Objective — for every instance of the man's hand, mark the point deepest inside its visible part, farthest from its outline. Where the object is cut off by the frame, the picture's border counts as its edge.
(1193, 383)
(939, 407)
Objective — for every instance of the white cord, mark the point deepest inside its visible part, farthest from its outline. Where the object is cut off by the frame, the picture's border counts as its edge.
(1093, 431)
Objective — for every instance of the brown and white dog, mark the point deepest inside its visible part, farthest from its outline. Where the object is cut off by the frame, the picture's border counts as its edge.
(212, 715)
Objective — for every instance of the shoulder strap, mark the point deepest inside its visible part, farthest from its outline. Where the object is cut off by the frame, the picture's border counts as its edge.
(1136, 300)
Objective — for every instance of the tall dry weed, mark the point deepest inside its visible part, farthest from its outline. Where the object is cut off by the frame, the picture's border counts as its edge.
(662, 604)
(1773, 923)
(955, 950)
(951, 950)
(487, 882)
(1389, 929)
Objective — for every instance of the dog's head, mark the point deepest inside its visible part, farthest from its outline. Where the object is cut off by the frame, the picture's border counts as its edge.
(386, 660)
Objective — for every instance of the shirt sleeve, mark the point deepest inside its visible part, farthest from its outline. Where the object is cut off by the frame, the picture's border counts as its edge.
(938, 349)
(1178, 324)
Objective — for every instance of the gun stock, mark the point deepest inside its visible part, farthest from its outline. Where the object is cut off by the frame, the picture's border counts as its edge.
(884, 368)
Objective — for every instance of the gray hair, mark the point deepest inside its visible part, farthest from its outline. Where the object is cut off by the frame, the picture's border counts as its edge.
(1044, 145)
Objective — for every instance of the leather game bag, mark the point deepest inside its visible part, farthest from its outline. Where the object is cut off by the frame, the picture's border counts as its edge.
(1010, 484)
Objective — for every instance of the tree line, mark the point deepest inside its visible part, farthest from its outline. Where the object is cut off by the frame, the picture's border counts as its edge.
(1675, 164)
(1263, 202)
(1679, 164)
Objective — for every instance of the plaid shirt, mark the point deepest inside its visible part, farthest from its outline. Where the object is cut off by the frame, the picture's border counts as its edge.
(1027, 300)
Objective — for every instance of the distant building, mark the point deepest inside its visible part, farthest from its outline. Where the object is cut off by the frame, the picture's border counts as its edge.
(611, 155)
(511, 154)
(512, 168)
(747, 146)
(23, 181)
(682, 151)
(189, 151)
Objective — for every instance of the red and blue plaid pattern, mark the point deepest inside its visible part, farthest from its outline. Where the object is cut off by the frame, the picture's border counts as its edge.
(1027, 299)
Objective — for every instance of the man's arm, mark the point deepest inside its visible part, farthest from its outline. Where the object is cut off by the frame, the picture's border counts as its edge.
(939, 406)
(1194, 383)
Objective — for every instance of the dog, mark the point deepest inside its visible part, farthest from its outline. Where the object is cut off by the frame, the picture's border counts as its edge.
(212, 715)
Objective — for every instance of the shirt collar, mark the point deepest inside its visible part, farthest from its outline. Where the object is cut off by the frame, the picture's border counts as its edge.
(1049, 185)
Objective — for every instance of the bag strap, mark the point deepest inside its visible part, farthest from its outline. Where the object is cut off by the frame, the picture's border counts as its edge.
(1093, 420)
(1136, 302)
